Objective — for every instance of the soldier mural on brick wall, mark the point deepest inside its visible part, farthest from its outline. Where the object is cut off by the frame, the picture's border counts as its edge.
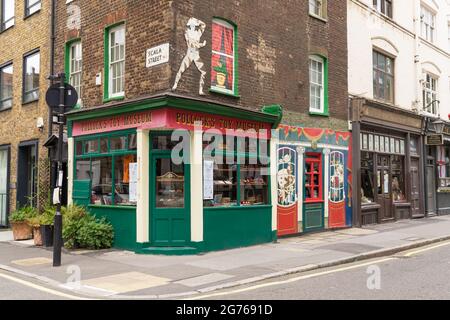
(194, 32)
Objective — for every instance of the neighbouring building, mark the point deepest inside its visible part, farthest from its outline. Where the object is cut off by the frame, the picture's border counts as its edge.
(24, 68)
(147, 68)
(399, 78)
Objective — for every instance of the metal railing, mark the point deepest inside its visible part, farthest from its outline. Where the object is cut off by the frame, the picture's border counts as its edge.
(3, 210)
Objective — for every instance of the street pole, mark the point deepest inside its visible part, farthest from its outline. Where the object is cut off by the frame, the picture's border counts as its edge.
(57, 245)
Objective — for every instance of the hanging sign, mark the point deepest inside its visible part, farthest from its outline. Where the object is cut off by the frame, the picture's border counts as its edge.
(157, 55)
(435, 140)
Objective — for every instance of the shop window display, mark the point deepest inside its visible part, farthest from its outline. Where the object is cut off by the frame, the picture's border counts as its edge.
(367, 178)
(398, 180)
(254, 185)
(170, 180)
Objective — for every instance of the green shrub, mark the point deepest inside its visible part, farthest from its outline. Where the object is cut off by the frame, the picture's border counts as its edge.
(23, 214)
(81, 230)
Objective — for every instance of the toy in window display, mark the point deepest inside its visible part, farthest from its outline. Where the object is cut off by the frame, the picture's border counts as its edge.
(396, 191)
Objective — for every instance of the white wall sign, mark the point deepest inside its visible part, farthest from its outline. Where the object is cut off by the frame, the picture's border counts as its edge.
(157, 55)
(208, 180)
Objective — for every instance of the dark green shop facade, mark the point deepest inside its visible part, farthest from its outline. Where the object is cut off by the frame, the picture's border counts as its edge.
(176, 175)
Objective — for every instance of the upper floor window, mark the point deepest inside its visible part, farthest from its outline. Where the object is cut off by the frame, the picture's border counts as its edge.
(6, 14)
(383, 77)
(223, 64)
(427, 24)
(116, 62)
(448, 49)
(317, 84)
(6, 86)
(31, 74)
(75, 65)
(32, 6)
(430, 94)
(384, 7)
(318, 8)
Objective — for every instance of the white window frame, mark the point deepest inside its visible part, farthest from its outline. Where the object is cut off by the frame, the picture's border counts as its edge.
(321, 85)
(111, 64)
(317, 8)
(32, 8)
(9, 99)
(77, 74)
(427, 24)
(7, 23)
(430, 93)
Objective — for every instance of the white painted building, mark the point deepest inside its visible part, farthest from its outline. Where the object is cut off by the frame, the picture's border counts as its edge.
(399, 85)
(415, 34)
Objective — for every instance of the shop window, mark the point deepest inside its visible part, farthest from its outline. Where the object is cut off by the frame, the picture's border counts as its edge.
(223, 64)
(313, 176)
(337, 177)
(367, 178)
(233, 175)
(111, 168)
(398, 178)
(443, 160)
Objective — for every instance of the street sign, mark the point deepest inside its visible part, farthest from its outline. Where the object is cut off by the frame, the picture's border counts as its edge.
(434, 140)
(70, 97)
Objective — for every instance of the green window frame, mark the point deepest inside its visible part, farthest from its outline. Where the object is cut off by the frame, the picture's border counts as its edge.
(314, 85)
(216, 89)
(74, 78)
(108, 94)
(109, 152)
(241, 165)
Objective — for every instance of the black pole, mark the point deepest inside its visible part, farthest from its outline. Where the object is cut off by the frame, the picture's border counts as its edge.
(57, 247)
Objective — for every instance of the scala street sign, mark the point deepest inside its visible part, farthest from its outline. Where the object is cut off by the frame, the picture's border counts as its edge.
(157, 55)
(70, 97)
(434, 140)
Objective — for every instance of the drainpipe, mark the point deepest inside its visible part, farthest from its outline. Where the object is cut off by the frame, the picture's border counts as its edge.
(52, 72)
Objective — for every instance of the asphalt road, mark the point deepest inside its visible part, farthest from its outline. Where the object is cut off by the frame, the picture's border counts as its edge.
(423, 273)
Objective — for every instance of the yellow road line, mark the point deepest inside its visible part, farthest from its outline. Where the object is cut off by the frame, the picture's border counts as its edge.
(40, 288)
(412, 253)
(275, 283)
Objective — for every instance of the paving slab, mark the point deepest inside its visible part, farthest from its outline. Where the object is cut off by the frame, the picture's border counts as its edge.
(206, 279)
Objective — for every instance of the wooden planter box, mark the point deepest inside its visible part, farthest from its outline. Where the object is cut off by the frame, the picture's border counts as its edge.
(21, 231)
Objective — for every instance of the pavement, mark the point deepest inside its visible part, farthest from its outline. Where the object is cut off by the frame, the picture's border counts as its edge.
(114, 274)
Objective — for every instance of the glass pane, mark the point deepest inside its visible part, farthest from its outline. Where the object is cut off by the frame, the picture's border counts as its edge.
(398, 178)
(101, 181)
(6, 82)
(225, 185)
(83, 170)
(118, 143)
(79, 148)
(367, 178)
(169, 184)
(91, 146)
(163, 142)
(104, 145)
(125, 180)
(132, 141)
(254, 185)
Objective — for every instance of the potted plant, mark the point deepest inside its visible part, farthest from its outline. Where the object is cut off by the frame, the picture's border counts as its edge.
(221, 75)
(35, 224)
(46, 223)
(19, 224)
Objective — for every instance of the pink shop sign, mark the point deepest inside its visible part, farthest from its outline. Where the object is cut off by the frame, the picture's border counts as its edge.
(112, 123)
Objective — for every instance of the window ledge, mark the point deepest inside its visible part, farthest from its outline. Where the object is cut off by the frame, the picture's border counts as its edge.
(5, 109)
(105, 100)
(224, 93)
(30, 15)
(4, 30)
(24, 103)
(319, 114)
(315, 16)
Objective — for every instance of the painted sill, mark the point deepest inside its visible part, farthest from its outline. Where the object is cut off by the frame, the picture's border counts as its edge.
(31, 15)
(5, 109)
(312, 15)
(4, 30)
(225, 93)
(24, 103)
(112, 207)
(320, 114)
(105, 100)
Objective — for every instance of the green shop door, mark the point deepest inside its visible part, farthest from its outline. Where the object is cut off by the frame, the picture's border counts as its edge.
(169, 202)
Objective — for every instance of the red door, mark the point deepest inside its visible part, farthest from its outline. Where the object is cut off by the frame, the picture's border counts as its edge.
(336, 202)
(287, 191)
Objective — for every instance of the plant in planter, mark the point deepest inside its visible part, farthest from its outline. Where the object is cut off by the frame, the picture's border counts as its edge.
(35, 224)
(221, 75)
(46, 222)
(19, 223)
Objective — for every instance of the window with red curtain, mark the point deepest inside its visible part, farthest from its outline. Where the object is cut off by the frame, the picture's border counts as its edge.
(223, 56)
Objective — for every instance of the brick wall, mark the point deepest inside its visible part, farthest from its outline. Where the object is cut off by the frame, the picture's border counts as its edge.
(18, 124)
(274, 41)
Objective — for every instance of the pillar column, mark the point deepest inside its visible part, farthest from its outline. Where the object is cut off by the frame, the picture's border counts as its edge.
(274, 142)
(300, 169)
(196, 186)
(143, 207)
(70, 158)
(326, 185)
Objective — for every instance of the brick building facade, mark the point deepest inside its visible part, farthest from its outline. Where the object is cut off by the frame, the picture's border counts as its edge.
(221, 64)
(25, 43)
